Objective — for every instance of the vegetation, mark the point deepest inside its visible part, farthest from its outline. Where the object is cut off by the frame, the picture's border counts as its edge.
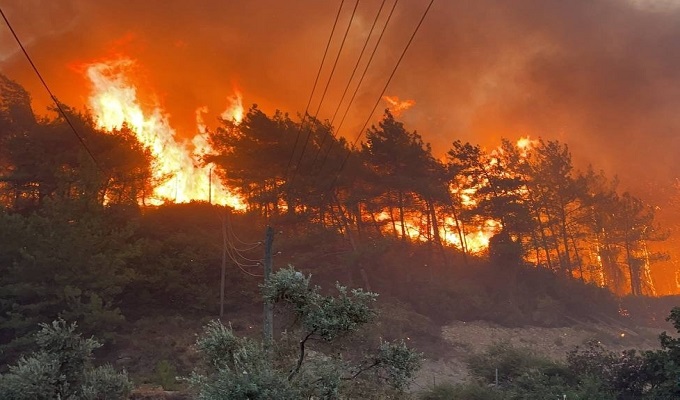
(62, 369)
(79, 243)
(553, 216)
(590, 372)
(240, 368)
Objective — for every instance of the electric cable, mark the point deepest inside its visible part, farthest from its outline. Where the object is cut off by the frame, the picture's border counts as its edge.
(323, 95)
(361, 80)
(361, 131)
(316, 81)
(363, 75)
(49, 91)
(349, 81)
(227, 249)
(250, 245)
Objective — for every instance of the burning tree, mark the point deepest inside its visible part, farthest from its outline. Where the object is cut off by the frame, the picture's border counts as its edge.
(42, 159)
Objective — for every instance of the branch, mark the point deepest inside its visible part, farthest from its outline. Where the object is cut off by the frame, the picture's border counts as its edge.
(302, 355)
(361, 370)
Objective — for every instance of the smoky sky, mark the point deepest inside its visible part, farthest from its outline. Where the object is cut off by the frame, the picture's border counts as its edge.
(602, 76)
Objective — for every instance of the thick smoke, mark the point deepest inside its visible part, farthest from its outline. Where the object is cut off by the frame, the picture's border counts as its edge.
(600, 75)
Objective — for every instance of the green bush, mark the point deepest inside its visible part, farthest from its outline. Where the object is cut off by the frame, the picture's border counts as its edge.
(240, 368)
(165, 374)
(62, 369)
(511, 362)
(468, 391)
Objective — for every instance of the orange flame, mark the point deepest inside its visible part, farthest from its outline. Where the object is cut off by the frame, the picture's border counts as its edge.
(396, 106)
(525, 144)
(177, 169)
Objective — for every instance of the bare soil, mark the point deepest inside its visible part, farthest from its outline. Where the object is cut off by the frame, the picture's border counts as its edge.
(462, 339)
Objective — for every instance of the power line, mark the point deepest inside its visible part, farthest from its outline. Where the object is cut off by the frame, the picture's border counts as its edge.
(361, 54)
(316, 81)
(335, 63)
(52, 96)
(323, 95)
(361, 131)
(361, 80)
(349, 81)
(228, 250)
(250, 245)
(363, 75)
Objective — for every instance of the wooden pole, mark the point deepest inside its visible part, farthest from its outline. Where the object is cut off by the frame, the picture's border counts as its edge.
(224, 261)
(268, 321)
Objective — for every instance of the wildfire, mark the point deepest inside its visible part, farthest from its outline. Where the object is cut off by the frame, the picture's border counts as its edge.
(177, 168)
(525, 144)
(473, 236)
(396, 106)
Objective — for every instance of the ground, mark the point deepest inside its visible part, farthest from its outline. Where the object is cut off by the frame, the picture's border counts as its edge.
(461, 339)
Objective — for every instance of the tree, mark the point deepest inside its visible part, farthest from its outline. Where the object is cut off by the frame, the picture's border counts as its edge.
(251, 156)
(662, 367)
(556, 198)
(41, 158)
(70, 259)
(240, 368)
(405, 176)
(464, 175)
(62, 369)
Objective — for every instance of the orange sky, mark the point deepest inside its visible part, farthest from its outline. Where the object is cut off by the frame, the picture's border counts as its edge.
(601, 75)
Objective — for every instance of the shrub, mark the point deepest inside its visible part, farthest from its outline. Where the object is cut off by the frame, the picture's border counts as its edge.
(511, 363)
(62, 369)
(241, 368)
(468, 391)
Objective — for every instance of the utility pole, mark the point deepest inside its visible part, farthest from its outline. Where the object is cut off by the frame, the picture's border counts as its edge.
(224, 260)
(210, 185)
(268, 321)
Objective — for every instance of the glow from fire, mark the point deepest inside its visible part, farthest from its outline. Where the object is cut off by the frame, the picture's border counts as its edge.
(396, 106)
(476, 235)
(179, 174)
(525, 144)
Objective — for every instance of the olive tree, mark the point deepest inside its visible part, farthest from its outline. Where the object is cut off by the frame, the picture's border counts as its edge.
(241, 368)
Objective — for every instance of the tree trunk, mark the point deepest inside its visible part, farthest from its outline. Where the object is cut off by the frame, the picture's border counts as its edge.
(401, 215)
(460, 230)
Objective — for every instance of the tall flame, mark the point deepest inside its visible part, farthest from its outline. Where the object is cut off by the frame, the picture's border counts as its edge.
(177, 168)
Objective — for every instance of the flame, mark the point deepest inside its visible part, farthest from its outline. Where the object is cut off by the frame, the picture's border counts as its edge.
(234, 111)
(396, 106)
(525, 144)
(476, 237)
(177, 169)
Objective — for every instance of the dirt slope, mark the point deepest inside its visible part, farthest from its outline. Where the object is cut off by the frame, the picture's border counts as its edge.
(461, 339)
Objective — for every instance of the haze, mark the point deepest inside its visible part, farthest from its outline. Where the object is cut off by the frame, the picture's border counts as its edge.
(602, 76)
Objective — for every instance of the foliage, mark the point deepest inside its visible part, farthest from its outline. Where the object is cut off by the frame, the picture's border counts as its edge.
(467, 391)
(621, 374)
(590, 372)
(325, 316)
(62, 369)
(510, 362)
(632, 375)
(242, 368)
(166, 375)
(41, 158)
(661, 368)
(68, 260)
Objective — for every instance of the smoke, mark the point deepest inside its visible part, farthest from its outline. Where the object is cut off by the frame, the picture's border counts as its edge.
(600, 75)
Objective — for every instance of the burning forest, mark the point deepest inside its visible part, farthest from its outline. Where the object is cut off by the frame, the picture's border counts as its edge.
(524, 196)
(536, 144)
(387, 180)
